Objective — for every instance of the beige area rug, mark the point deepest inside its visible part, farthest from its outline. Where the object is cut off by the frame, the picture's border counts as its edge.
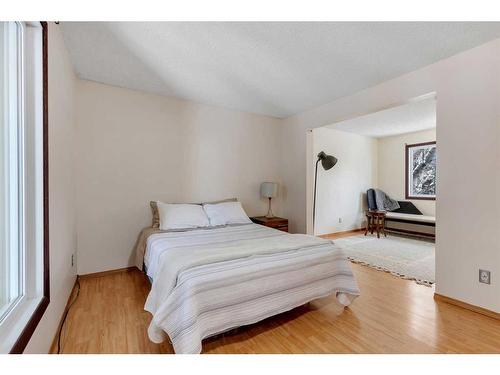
(405, 257)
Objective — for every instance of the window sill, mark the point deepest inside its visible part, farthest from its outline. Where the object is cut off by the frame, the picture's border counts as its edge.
(18, 320)
(407, 197)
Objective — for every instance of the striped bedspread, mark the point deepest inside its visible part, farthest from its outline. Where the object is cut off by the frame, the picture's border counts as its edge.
(209, 281)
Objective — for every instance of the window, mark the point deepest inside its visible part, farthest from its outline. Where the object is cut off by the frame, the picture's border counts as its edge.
(24, 286)
(421, 171)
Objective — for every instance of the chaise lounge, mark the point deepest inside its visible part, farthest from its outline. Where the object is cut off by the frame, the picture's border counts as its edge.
(407, 213)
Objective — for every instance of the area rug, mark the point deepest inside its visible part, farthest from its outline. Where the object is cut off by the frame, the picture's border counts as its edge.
(404, 257)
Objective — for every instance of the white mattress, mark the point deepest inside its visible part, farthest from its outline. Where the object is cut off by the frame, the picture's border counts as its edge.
(421, 218)
(208, 281)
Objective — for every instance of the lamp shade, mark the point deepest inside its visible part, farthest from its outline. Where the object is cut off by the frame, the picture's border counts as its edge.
(269, 190)
(327, 161)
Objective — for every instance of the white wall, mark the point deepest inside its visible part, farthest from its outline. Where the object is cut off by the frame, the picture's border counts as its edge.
(61, 189)
(341, 191)
(134, 147)
(391, 167)
(468, 98)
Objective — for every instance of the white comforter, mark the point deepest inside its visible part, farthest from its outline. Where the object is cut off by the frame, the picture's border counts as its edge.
(208, 281)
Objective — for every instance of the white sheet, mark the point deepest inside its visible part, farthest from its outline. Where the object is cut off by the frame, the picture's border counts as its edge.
(159, 243)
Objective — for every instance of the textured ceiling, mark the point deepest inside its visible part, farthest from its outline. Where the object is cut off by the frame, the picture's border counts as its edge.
(272, 68)
(408, 118)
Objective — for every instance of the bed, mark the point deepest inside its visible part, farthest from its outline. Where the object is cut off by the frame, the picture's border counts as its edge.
(208, 281)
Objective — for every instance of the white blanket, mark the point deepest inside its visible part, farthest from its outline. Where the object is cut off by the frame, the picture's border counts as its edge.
(208, 281)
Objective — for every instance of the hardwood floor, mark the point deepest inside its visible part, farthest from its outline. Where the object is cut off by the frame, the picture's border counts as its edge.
(391, 316)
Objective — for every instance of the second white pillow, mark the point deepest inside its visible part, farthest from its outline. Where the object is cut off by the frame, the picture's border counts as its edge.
(226, 213)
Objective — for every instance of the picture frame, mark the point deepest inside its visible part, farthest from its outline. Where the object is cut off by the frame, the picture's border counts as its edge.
(421, 170)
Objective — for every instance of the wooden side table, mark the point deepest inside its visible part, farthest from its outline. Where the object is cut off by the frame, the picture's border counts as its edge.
(375, 220)
(272, 222)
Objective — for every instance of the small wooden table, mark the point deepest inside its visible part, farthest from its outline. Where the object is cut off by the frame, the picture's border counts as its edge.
(272, 222)
(375, 220)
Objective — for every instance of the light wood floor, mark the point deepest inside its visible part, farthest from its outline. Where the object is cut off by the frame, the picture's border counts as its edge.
(391, 316)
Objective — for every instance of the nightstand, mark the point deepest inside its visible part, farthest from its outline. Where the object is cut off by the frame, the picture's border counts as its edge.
(272, 222)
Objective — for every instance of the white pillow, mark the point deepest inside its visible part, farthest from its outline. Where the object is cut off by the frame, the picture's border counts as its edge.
(181, 216)
(226, 213)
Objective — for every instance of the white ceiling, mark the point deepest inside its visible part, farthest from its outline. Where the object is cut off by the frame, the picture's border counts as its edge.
(408, 118)
(272, 68)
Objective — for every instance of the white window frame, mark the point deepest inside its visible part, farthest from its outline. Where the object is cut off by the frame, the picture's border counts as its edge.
(19, 320)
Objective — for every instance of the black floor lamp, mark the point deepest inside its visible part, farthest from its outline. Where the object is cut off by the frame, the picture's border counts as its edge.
(327, 161)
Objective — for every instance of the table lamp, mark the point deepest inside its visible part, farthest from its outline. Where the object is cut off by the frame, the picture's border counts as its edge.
(269, 190)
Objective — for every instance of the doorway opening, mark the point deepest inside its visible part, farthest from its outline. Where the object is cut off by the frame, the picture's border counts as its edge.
(380, 196)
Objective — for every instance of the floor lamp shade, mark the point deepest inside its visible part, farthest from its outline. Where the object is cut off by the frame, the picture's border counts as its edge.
(269, 190)
(327, 162)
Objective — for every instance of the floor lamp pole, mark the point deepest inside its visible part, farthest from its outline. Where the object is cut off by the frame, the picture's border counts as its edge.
(314, 200)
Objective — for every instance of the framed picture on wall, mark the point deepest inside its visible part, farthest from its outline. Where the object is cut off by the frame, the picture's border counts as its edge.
(420, 180)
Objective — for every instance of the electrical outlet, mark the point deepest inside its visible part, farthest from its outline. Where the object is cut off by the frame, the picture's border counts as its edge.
(484, 277)
(72, 260)
(340, 220)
